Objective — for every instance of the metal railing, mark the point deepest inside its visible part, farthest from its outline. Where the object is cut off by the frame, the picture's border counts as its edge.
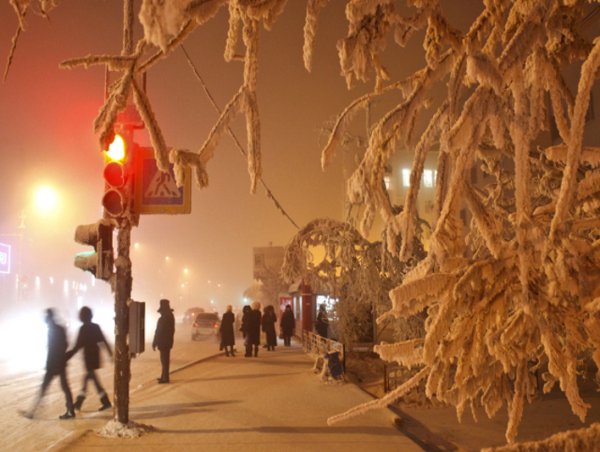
(318, 345)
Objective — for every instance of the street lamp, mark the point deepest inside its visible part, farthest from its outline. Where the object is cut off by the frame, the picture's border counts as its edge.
(45, 199)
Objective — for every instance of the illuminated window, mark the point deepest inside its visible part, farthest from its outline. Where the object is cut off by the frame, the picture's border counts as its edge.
(386, 181)
(405, 177)
(428, 178)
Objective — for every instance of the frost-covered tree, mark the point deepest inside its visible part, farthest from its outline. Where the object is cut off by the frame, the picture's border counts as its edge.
(513, 290)
(508, 293)
(333, 257)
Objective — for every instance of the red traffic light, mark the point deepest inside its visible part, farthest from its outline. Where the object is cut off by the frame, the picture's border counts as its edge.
(118, 175)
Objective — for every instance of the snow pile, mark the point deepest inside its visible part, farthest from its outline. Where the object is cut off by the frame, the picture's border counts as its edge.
(574, 440)
(116, 429)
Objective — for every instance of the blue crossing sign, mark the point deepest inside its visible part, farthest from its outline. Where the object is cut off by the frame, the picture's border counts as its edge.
(156, 192)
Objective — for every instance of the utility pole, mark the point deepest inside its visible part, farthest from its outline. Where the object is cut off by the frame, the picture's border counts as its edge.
(123, 283)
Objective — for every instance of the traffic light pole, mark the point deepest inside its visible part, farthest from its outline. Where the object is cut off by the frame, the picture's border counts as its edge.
(122, 295)
(123, 277)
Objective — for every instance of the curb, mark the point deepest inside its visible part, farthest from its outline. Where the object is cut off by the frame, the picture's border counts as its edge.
(415, 430)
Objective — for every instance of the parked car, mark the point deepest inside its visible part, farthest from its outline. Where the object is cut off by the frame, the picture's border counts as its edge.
(206, 324)
(190, 315)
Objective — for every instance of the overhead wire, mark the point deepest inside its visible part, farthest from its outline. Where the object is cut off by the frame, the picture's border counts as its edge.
(237, 143)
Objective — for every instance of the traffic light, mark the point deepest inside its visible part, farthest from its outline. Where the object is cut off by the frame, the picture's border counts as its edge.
(118, 177)
(100, 261)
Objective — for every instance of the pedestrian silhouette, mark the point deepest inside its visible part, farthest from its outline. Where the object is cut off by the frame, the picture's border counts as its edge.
(253, 330)
(90, 335)
(269, 319)
(163, 338)
(226, 330)
(246, 310)
(56, 364)
(322, 323)
(287, 325)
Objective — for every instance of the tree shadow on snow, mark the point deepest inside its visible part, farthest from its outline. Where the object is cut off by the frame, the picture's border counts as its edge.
(239, 377)
(326, 430)
(175, 409)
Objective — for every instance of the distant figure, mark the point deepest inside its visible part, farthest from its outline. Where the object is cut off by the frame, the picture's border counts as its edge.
(163, 338)
(226, 330)
(56, 364)
(244, 328)
(269, 319)
(253, 330)
(287, 325)
(322, 322)
(90, 335)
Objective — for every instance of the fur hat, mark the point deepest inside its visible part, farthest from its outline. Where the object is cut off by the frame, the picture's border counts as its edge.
(164, 306)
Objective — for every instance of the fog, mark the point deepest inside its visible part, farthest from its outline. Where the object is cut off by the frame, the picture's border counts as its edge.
(46, 137)
(203, 259)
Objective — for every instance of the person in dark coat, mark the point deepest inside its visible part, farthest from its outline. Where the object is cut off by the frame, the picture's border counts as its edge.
(253, 330)
(246, 310)
(56, 364)
(269, 319)
(226, 330)
(163, 338)
(90, 335)
(322, 323)
(287, 325)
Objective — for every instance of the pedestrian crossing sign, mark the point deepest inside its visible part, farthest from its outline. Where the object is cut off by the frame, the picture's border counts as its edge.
(156, 192)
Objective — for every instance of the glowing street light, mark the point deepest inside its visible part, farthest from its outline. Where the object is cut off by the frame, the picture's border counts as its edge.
(45, 199)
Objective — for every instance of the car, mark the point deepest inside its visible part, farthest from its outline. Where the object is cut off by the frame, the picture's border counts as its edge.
(190, 315)
(206, 325)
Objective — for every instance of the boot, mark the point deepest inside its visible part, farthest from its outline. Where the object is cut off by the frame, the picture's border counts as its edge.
(231, 351)
(67, 415)
(105, 403)
(78, 402)
(256, 350)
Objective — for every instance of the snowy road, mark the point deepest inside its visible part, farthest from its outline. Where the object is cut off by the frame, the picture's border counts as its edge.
(18, 391)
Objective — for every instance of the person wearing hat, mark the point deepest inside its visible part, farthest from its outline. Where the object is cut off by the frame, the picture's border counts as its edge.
(163, 338)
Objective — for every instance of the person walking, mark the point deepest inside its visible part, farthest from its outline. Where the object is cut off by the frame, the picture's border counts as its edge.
(56, 364)
(253, 330)
(287, 325)
(269, 319)
(322, 323)
(226, 330)
(163, 338)
(90, 335)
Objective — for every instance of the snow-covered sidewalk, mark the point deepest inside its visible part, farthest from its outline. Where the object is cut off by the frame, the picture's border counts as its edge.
(272, 402)
(46, 431)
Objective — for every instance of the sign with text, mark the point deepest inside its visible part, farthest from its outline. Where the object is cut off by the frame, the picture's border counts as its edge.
(4, 258)
(156, 192)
